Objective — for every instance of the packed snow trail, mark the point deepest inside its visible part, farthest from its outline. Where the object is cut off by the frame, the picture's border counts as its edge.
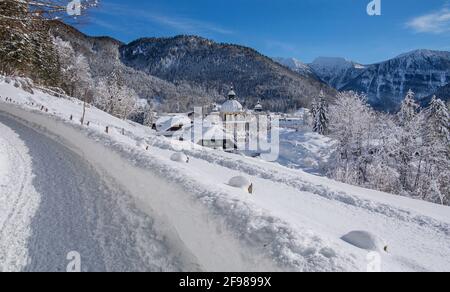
(78, 211)
(18, 200)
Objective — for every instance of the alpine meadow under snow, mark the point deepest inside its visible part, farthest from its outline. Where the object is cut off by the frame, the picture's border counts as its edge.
(100, 156)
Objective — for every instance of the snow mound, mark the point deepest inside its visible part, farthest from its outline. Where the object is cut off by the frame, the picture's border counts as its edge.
(241, 182)
(365, 240)
(179, 157)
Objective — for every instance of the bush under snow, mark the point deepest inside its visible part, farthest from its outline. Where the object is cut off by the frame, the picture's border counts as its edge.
(365, 240)
(179, 157)
(241, 182)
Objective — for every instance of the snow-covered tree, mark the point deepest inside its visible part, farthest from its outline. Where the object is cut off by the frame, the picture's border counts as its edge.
(406, 154)
(319, 111)
(408, 109)
(56, 9)
(438, 120)
(382, 172)
(76, 73)
(149, 115)
(434, 182)
(351, 122)
(25, 44)
(113, 97)
(409, 143)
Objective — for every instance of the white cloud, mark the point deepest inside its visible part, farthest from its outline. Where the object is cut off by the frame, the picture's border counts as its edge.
(185, 25)
(179, 24)
(436, 22)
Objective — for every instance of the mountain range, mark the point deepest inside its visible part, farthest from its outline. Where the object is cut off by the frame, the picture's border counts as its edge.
(180, 72)
(426, 72)
(183, 71)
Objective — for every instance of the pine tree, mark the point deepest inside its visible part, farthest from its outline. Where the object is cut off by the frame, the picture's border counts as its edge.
(439, 119)
(410, 121)
(320, 114)
(437, 153)
(408, 109)
(26, 47)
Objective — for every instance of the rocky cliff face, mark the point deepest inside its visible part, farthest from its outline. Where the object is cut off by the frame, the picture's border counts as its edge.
(387, 83)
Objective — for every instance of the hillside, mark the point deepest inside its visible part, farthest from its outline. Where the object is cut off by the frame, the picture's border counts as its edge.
(168, 215)
(189, 70)
(215, 66)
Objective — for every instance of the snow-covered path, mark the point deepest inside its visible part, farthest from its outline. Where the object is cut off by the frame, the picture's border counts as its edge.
(66, 206)
(18, 200)
(294, 221)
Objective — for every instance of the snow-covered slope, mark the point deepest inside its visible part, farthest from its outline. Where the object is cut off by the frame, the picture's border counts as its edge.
(294, 219)
(295, 65)
(304, 149)
(335, 71)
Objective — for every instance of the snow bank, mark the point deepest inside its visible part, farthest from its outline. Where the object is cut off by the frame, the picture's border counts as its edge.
(19, 201)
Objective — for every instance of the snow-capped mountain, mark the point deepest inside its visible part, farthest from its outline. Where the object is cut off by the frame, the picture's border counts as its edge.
(426, 72)
(386, 83)
(295, 65)
(335, 71)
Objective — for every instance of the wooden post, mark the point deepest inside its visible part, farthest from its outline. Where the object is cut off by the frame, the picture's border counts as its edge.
(84, 110)
(107, 130)
(250, 189)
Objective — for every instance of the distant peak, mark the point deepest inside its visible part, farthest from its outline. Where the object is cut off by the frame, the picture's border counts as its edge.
(334, 62)
(424, 53)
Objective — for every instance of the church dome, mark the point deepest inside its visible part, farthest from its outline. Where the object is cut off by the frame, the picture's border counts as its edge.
(231, 106)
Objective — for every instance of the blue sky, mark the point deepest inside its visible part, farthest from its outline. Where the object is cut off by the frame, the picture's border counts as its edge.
(304, 29)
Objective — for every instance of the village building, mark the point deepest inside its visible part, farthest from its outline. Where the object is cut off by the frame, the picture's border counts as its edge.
(226, 127)
(234, 118)
(172, 124)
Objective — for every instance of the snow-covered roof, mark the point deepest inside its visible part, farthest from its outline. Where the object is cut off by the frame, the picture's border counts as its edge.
(216, 132)
(231, 94)
(212, 119)
(231, 106)
(165, 123)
